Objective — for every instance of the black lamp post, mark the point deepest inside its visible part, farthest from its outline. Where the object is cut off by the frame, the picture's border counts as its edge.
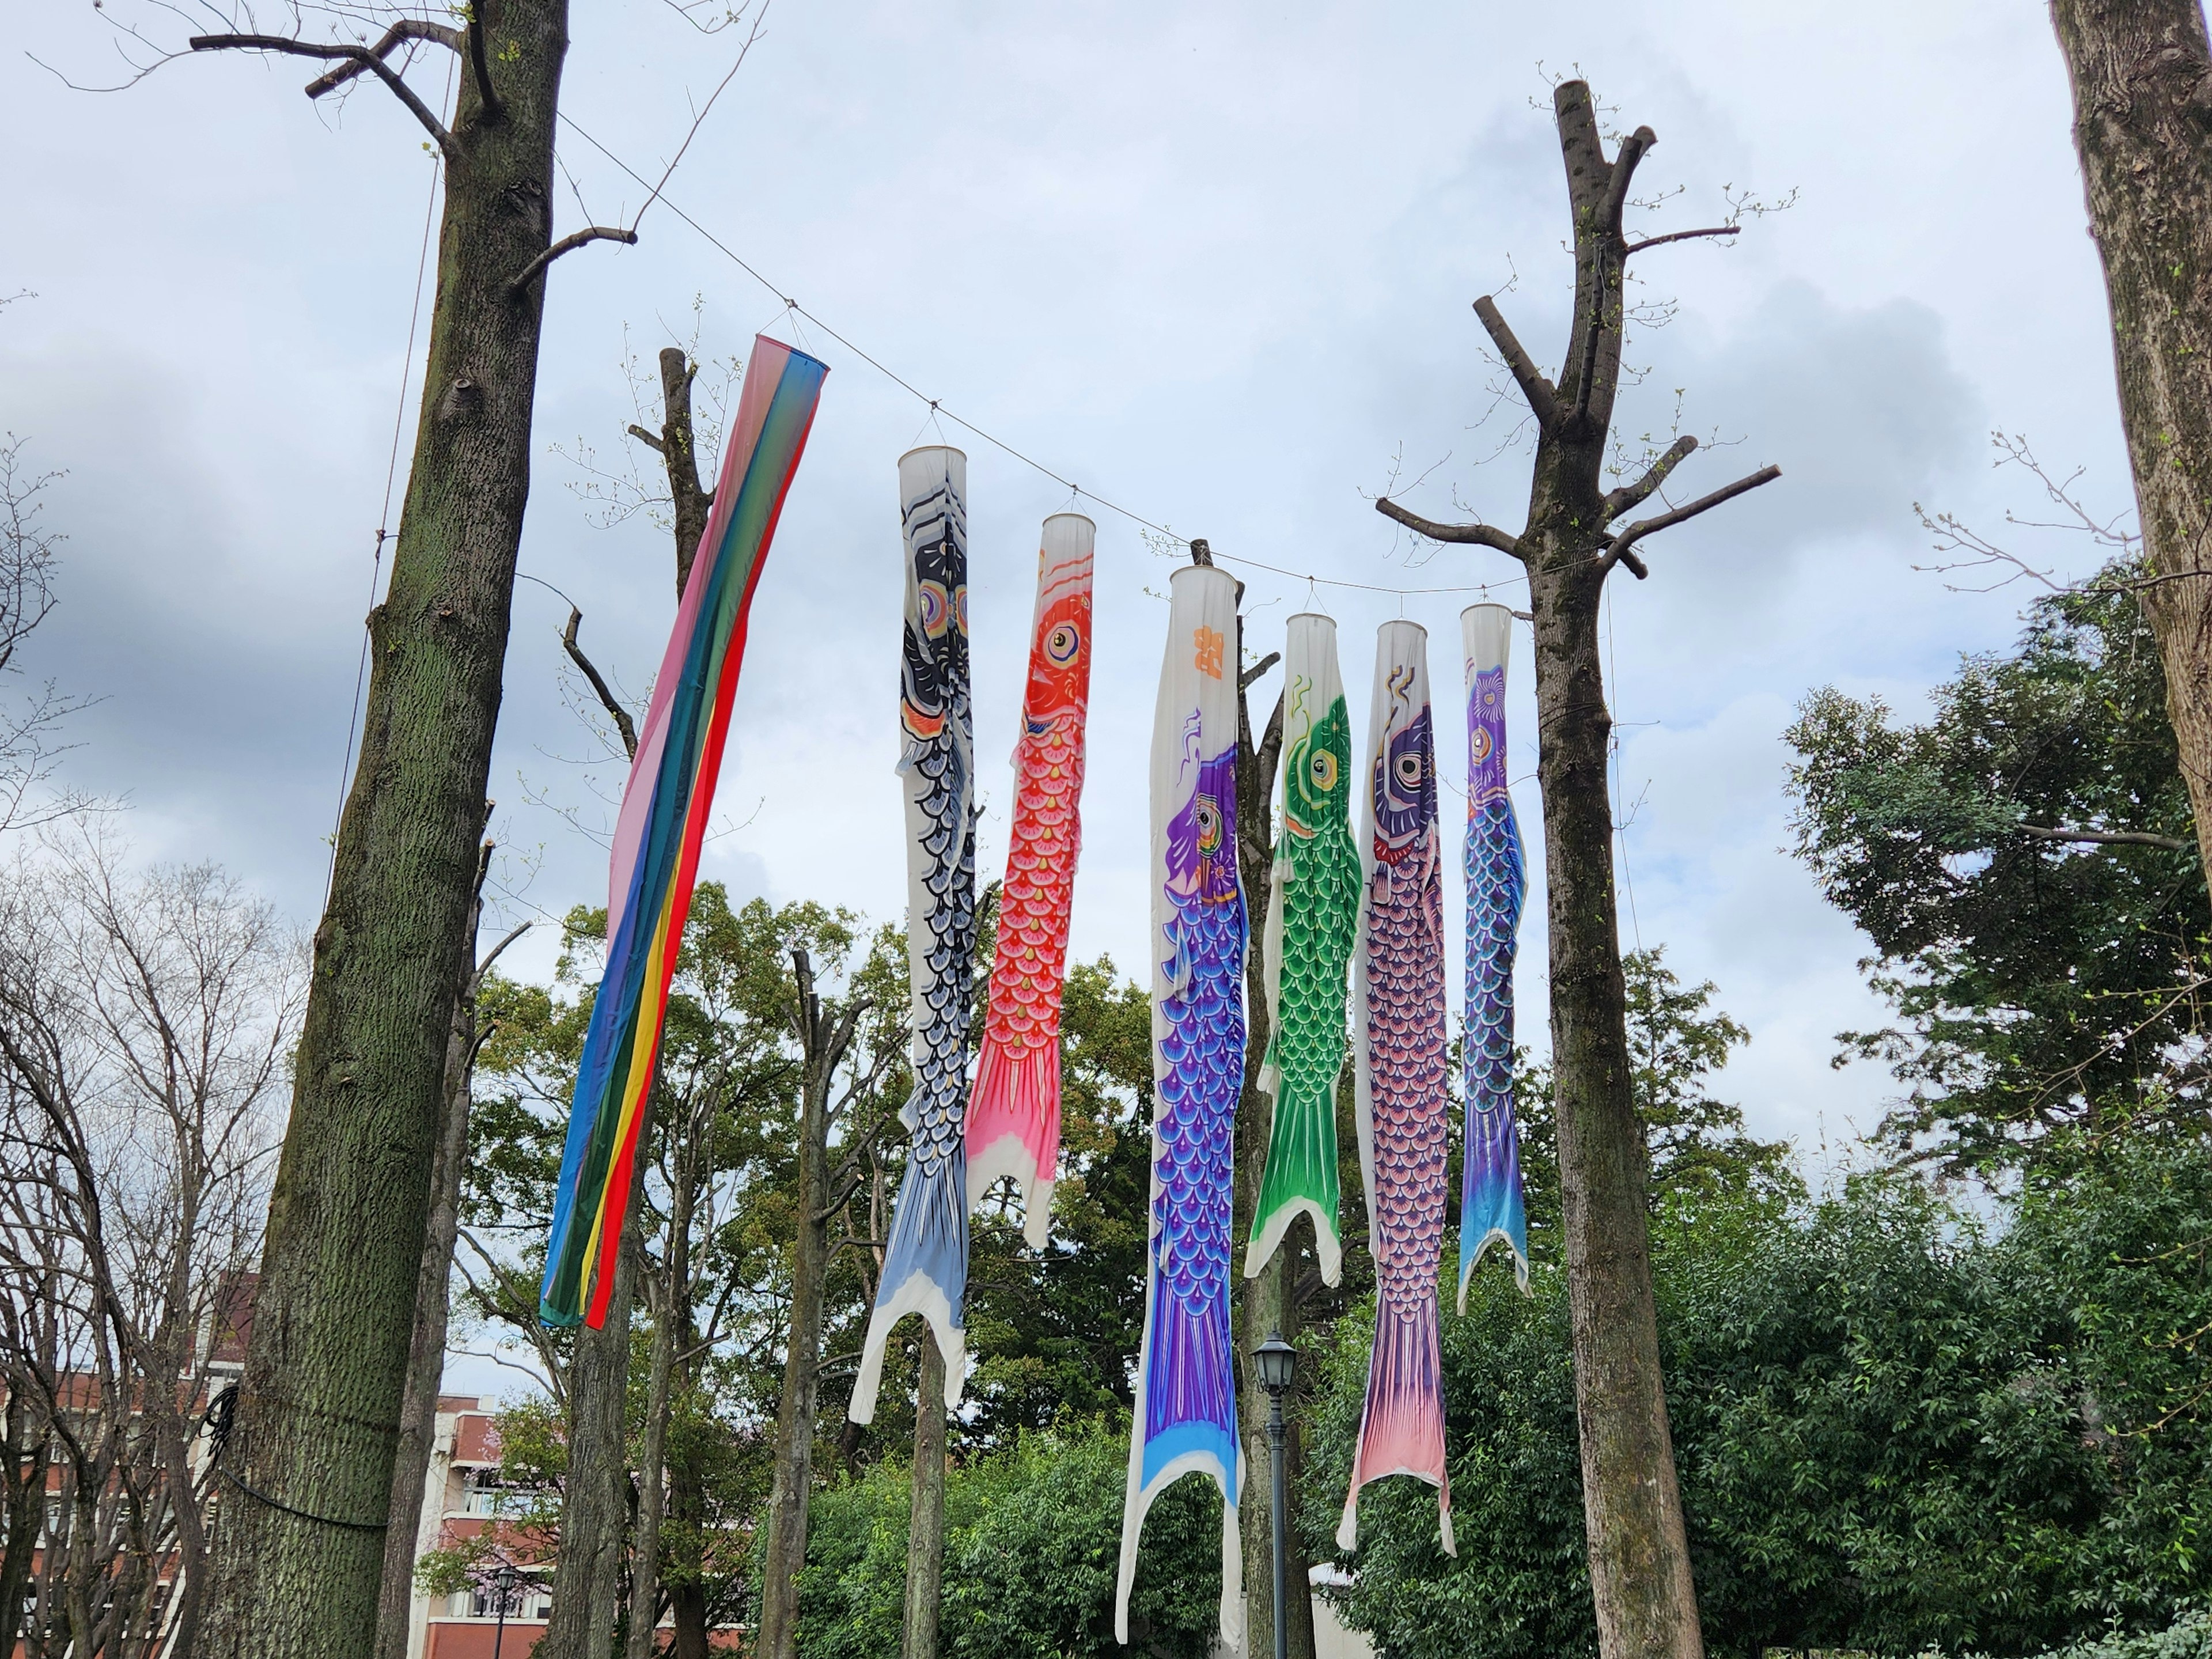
(1277, 1362)
(506, 1593)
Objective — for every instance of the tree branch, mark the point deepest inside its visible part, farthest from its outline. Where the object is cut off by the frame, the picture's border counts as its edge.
(1480, 535)
(607, 698)
(406, 29)
(1680, 236)
(575, 239)
(482, 69)
(1617, 551)
(2108, 837)
(1632, 151)
(1543, 399)
(1617, 501)
(1245, 680)
(359, 55)
(649, 439)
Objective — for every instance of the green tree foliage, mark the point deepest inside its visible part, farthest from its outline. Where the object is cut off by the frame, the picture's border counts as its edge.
(1033, 1536)
(1698, 1146)
(1058, 1331)
(1896, 1429)
(2037, 982)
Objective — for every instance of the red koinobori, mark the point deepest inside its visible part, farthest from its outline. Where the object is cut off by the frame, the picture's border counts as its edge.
(662, 822)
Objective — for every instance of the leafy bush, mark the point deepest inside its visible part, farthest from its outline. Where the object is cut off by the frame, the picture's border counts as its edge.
(1033, 1538)
(1896, 1430)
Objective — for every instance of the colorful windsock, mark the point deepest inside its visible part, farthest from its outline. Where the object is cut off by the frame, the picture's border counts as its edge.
(926, 1261)
(1013, 1122)
(1400, 1108)
(1313, 917)
(1489, 1171)
(1186, 1405)
(662, 823)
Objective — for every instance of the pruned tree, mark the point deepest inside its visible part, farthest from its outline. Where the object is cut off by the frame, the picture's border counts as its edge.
(1575, 537)
(297, 1569)
(2142, 77)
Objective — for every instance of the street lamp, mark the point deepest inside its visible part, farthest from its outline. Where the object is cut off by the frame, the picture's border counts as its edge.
(505, 1582)
(1277, 1362)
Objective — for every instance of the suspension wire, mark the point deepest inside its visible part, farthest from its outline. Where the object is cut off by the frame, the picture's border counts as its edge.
(937, 408)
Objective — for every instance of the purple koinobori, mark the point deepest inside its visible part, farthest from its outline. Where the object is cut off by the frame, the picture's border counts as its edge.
(1399, 1106)
(1186, 1405)
(1497, 881)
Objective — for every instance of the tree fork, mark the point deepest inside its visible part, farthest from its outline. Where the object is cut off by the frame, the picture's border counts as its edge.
(318, 1416)
(1640, 1580)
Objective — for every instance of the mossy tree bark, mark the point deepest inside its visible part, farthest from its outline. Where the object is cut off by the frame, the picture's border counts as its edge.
(318, 1418)
(1640, 1559)
(2142, 77)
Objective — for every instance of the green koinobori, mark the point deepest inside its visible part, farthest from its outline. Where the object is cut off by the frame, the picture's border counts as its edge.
(1313, 917)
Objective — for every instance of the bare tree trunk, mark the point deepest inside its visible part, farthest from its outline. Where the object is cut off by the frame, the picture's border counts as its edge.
(785, 1555)
(426, 1356)
(27, 1450)
(2142, 77)
(317, 1420)
(670, 1318)
(595, 1505)
(924, 1538)
(1640, 1581)
(1267, 1310)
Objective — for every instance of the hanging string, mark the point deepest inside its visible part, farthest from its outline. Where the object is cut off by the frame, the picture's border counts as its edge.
(383, 513)
(937, 408)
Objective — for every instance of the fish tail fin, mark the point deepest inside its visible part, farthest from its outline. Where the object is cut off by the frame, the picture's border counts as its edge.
(924, 1271)
(1402, 1429)
(1492, 1210)
(1300, 1180)
(1013, 1129)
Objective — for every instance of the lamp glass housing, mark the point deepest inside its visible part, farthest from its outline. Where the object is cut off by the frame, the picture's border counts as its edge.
(1277, 1362)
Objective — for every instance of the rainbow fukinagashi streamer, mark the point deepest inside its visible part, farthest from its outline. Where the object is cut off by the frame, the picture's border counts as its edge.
(1013, 1116)
(662, 822)
(1398, 989)
(1497, 881)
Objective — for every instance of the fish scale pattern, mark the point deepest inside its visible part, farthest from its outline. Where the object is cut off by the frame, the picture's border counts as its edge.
(1201, 1068)
(1315, 913)
(1490, 1207)
(926, 1257)
(1013, 1119)
(1402, 1429)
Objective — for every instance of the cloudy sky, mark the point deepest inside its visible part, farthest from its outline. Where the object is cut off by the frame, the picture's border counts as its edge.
(1215, 264)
